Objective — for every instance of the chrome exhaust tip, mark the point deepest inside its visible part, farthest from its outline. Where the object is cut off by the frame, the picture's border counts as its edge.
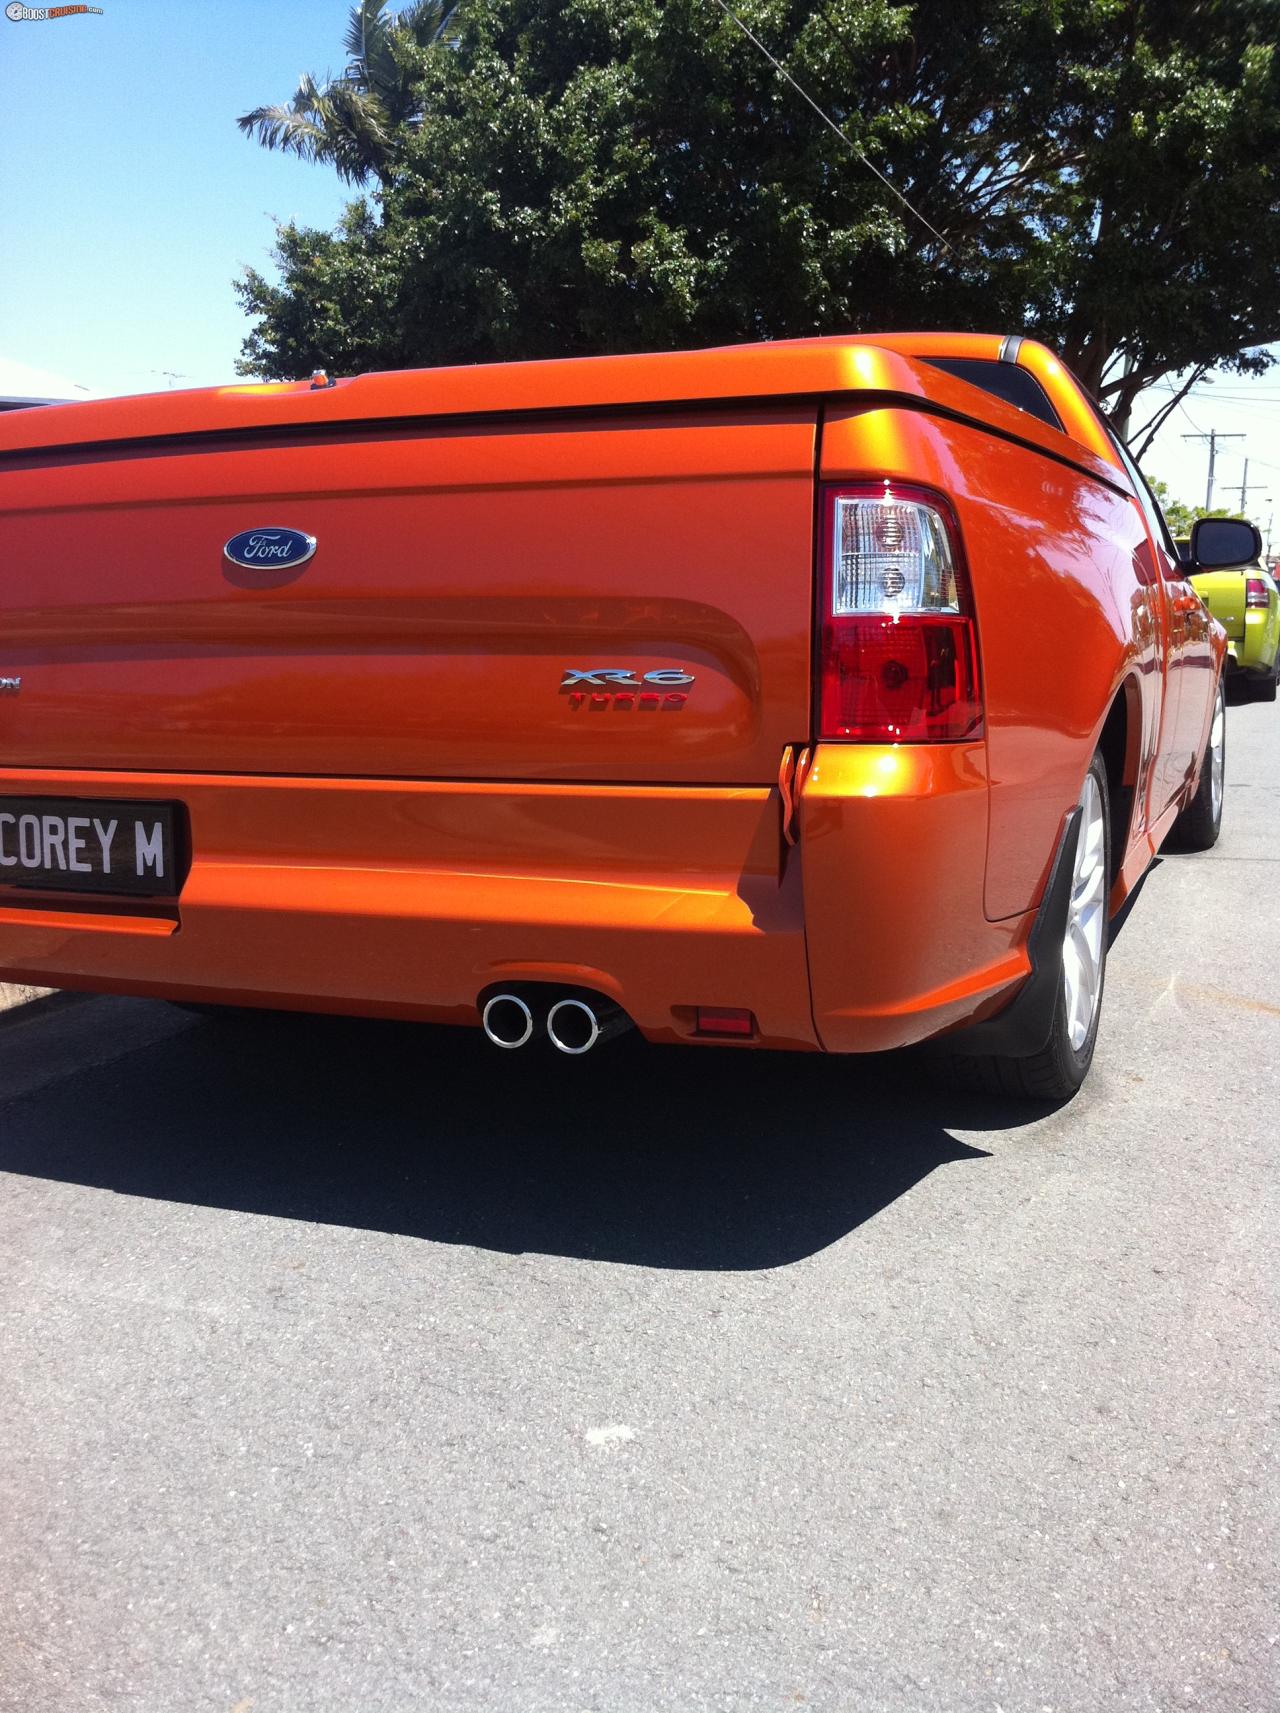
(507, 1021)
(575, 1026)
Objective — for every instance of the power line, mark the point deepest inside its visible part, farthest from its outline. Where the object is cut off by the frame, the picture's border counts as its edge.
(1183, 408)
(829, 121)
(1243, 489)
(1231, 391)
(1239, 404)
(1231, 401)
(1213, 437)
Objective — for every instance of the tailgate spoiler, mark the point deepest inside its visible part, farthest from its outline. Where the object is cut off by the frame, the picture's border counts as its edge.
(822, 369)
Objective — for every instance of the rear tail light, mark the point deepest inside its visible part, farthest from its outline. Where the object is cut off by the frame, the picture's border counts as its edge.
(1255, 592)
(898, 658)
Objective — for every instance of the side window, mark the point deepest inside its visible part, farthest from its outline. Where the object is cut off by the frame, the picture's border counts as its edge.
(1005, 381)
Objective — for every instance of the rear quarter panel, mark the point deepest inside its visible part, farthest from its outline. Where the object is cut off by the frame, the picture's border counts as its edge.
(1066, 607)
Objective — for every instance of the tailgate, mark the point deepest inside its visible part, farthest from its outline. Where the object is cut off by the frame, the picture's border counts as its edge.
(463, 574)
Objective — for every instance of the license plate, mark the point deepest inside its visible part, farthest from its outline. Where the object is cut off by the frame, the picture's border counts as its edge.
(68, 844)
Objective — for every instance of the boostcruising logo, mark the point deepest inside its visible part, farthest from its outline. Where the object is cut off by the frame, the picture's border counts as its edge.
(36, 14)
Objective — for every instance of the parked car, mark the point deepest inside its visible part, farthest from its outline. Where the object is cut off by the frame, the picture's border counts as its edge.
(21, 387)
(827, 695)
(1246, 603)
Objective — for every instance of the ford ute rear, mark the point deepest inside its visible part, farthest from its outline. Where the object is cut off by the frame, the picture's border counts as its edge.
(659, 686)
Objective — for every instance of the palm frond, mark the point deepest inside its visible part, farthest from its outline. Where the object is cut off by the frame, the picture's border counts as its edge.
(427, 21)
(359, 119)
(347, 121)
(280, 127)
(296, 126)
(363, 24)
(333, 122)
(373, 64)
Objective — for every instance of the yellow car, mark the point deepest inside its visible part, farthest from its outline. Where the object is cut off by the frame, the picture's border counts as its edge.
(1246, 603)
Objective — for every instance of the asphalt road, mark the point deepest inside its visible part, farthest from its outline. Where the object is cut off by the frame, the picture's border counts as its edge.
(349, 1366)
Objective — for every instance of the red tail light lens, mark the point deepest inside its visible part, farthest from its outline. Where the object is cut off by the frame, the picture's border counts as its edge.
(1255, 592)
(898, 659)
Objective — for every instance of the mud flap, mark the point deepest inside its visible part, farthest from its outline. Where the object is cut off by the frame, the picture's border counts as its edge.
(1023, 1027)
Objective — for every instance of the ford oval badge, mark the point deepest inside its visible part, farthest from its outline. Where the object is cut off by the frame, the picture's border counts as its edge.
(269, 549)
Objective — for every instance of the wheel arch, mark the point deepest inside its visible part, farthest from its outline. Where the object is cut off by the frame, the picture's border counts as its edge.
(1120, 743)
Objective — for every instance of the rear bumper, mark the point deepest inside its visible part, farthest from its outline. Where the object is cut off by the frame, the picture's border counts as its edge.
(391, 898)
(1255, 651)
(895, 843)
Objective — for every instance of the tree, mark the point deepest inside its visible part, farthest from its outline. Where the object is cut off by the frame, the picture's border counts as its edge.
(350, 121)
(1179, 516)
(596, 175)
(1165, 241)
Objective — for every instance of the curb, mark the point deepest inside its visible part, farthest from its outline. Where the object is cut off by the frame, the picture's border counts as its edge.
(13, 994)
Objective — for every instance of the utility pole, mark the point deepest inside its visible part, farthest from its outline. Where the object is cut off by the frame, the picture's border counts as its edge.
(1213, 437)
(1243, 491)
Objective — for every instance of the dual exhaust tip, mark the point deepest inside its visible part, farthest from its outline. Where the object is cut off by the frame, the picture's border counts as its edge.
(574, 1024)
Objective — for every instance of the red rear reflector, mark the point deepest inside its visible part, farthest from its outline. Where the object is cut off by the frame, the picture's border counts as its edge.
(725, 1020)
(1255, 592)
(898, 656)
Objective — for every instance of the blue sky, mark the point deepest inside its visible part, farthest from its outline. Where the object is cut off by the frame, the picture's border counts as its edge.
(129, 202)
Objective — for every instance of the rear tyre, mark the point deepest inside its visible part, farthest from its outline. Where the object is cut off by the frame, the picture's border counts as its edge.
(1198, 826)
(1262, 689)
(1059, 1068)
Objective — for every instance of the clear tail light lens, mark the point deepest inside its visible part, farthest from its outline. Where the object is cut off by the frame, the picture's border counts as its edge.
(898, 659)
(1255, 592)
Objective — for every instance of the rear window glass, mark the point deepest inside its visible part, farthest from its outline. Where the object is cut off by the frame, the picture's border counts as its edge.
(1003, 381)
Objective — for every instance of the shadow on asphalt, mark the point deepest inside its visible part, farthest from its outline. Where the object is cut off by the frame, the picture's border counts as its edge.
(671, 1157)
(1127, 908)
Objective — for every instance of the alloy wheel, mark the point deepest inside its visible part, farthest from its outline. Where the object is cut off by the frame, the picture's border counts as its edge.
(1086, 919)
(1217, 753)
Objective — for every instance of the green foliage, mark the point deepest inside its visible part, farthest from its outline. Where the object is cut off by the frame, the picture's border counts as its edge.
(604, 175)
(1178, 516)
